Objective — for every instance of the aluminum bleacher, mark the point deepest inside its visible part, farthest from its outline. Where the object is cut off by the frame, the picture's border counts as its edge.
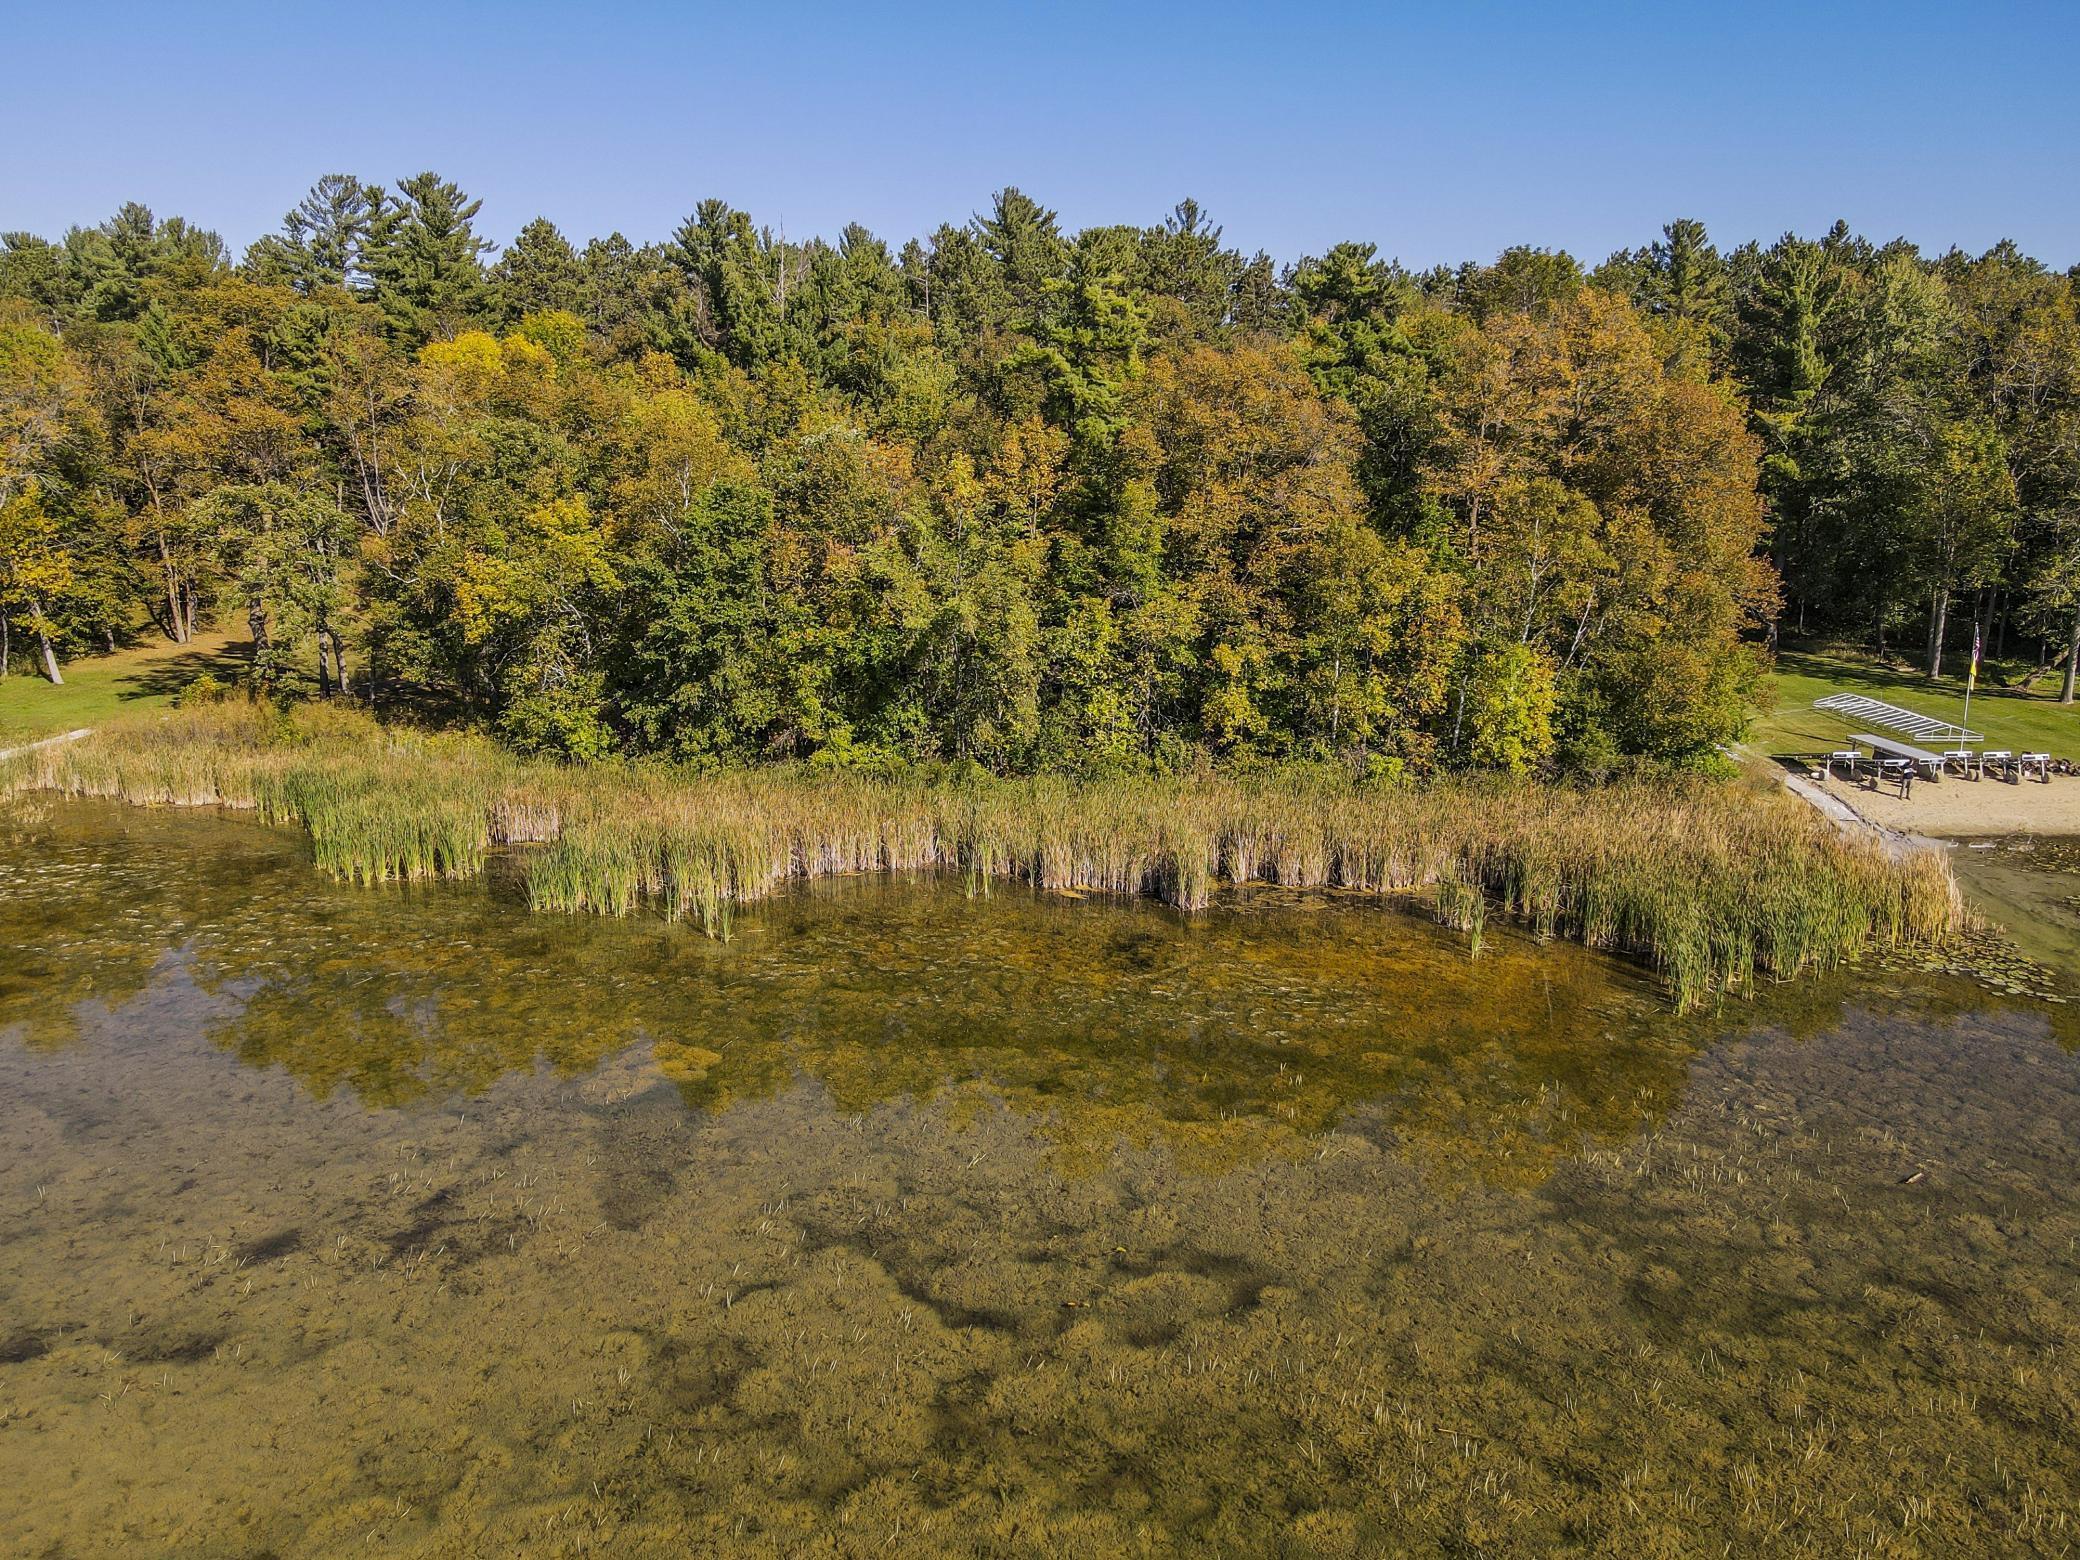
(1875, 712)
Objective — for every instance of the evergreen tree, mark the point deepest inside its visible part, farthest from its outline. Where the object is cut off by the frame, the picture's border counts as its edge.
(324, 242)
(1025, 241)
(538, 272)
(425, 260)
(1006, 497)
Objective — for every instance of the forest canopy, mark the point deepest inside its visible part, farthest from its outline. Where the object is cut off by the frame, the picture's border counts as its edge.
(1120, 499)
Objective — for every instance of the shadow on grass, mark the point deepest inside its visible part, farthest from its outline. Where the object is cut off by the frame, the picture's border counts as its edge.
(402, 703)
(2009, 680)
(162, 679)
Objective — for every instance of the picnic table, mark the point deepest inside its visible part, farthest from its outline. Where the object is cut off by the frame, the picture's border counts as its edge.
(1893, 760)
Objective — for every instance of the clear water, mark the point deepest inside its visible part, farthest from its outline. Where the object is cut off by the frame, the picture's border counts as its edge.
(403, 1222)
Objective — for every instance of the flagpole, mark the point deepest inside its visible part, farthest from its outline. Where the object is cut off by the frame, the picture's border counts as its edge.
(1971, 680)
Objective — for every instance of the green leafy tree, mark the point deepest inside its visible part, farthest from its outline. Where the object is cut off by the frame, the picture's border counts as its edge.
(705, 626)
(1509, 708)
(58, 569)
(1964, 518)
(36, 575)
(284, 555)
(1006, 496)
(1086, 355)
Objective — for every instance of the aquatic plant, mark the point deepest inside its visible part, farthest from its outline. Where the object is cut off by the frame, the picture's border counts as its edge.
(1713, 883)
(1463, 907)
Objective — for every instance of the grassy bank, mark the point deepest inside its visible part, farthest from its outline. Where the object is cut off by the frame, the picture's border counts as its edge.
(106, 687)
(1713, 884)
(2014, 718)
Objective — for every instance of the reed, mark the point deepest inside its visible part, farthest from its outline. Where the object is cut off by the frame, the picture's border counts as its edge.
(1715, 884)
(1463, 907)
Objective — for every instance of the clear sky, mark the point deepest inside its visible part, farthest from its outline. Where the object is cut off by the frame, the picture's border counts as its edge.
(1440, 131)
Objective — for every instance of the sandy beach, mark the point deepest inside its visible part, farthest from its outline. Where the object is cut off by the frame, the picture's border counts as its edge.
(1960, 807)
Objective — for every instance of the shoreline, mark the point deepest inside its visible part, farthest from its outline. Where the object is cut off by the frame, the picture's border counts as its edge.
(1975, 848)
(1714, 884)
(1956, 808)
(1843, 815)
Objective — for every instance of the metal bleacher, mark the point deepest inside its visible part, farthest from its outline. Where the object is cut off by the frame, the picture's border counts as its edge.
(1875, 712)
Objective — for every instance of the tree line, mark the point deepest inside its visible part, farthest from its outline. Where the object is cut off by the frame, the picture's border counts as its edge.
(1029, 499)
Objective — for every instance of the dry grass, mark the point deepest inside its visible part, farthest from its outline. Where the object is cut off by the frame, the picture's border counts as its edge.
(1714, 884)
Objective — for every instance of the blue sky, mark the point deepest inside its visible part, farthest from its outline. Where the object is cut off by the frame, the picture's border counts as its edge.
(1438, 131)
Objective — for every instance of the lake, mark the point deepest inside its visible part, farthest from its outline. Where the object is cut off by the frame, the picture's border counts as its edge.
(401, 1221)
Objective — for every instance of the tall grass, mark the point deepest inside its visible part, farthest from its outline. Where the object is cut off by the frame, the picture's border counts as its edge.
(1714, 884)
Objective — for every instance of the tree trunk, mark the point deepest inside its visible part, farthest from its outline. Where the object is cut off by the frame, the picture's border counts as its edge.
(256, 625)
(2072, 662)
(181, 627)
(1939, 621)
(43, 639)
(6, 652)
(324, 667)
(339, 662)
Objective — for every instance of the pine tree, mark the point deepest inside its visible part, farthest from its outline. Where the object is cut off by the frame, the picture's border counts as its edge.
(324, 242)
(539, 271)
(426, 260)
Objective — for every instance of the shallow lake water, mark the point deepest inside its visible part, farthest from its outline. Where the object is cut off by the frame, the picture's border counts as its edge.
(403, 1222)
(2030, 885)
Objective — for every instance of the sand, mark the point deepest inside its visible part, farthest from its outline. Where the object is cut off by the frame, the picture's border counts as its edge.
(1959, 807)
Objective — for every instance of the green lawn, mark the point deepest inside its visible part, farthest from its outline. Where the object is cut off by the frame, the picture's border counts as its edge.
(2025, 722)
(105, 685)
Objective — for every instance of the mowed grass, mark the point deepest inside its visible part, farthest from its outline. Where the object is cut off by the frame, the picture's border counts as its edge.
(100, 688)
(2031, 722)
(1715, 884)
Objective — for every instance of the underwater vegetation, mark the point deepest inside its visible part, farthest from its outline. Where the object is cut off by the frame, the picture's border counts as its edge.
(919, 1221)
